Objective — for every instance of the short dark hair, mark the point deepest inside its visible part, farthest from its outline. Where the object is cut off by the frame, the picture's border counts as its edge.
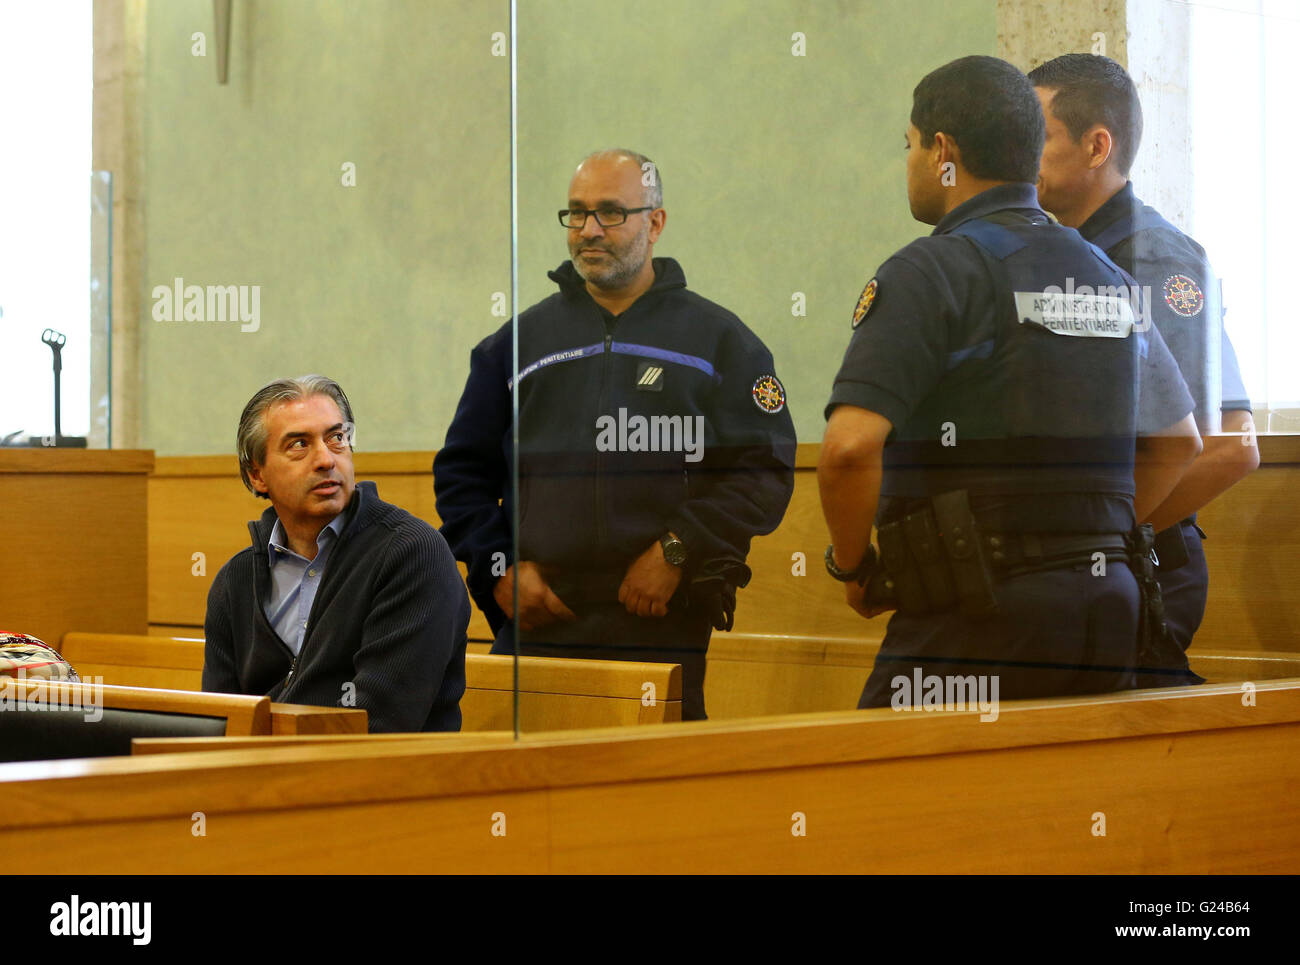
(990, 109)
(1091, 89)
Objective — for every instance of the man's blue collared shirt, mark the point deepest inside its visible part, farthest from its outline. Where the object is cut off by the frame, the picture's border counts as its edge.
(294, 581)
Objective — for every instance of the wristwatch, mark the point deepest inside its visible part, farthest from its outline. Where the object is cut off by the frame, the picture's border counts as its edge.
(674, 549)
(859, 574)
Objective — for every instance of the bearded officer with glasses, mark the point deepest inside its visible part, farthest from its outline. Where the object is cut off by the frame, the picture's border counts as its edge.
(655, 442)
(343, 600)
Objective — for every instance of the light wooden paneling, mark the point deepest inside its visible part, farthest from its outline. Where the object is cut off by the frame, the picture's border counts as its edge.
(74, 541)
(136, 660)
(291, 719)
(176, 630)
(189, 745)
(1253, 550)
(1254, 557)
(1189, 782)
(778, 600)
(756, 674)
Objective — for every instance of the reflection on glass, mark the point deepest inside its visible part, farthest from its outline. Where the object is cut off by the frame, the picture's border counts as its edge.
(784, 195)
(654, 442)
(101, 310)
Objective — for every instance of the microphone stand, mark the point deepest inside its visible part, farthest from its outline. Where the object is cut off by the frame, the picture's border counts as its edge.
(55, 340)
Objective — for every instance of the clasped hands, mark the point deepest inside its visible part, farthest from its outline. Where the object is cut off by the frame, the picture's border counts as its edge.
(647, 587)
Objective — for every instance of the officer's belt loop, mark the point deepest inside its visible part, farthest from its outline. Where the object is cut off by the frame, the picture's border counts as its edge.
(1032, 546)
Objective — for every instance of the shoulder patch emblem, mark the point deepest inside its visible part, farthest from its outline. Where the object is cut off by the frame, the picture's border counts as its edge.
(769, 394)
(1183, 296)
(864, 302)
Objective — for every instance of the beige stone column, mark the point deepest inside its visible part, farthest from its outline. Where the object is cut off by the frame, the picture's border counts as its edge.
(1159, 63)
(1032, 32)
(117, 146)
(1151, 38)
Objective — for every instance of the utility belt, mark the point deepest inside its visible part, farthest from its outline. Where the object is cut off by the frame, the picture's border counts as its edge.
(938, 558)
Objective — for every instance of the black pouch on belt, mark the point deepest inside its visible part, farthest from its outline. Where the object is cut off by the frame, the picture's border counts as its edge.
(927, 548)
(1162, 661)
(1171, 550)
(898, 564)
(965, 544)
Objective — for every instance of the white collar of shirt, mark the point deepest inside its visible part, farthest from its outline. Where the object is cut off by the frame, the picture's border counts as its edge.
(279, 543)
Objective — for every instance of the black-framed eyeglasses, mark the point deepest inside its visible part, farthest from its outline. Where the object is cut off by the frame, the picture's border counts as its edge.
(607, 216)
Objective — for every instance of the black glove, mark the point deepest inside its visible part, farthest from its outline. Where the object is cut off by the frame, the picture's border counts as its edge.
(713, 588)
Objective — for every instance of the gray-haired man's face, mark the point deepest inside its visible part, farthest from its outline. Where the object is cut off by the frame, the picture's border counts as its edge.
(307, 472)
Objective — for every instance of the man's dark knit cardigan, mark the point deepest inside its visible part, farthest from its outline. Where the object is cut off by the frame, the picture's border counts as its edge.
(389, 618)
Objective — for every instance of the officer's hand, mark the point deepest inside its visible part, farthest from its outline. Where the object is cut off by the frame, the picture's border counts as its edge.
(538, 604)
(649, 584)
(855, 594)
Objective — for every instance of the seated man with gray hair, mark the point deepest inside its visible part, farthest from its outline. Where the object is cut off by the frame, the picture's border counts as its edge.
(342, 599)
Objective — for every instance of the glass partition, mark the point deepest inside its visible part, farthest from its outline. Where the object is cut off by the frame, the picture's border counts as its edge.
(328, 191)
(761, 175)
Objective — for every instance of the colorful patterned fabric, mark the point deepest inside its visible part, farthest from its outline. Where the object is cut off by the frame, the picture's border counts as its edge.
(33, 657)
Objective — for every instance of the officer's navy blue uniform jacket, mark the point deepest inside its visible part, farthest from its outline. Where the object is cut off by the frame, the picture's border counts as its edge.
(1042, 421)
(389, 619)
(1184, 297)
(1040, 426)
(1187, 308)
(593, 501)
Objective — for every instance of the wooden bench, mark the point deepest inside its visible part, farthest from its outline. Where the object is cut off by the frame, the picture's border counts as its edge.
(59, 719)
(749, 675)
(1186, 781)
(132, 660)
(555, 694)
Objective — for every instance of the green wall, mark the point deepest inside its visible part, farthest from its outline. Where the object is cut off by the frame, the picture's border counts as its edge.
(385, 286)
(782, 174)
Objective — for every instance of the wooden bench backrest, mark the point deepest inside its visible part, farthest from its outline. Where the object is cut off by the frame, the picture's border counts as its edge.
(555, 694)
(245, 716)
(131, 660)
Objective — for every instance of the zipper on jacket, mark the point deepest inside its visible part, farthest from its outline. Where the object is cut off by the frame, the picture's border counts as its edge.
(293, 665)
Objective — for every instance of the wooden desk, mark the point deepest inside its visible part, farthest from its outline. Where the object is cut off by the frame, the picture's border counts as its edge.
(75, 541)
(1190, 780)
